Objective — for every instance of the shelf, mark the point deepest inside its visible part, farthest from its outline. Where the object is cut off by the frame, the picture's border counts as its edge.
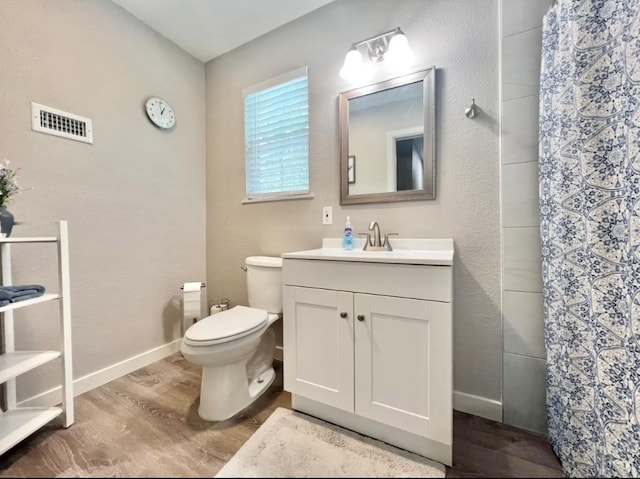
(29, 302)
(16, 363)
(30, 239)
(17, 424)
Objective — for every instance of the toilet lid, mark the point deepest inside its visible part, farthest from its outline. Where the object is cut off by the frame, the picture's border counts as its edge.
(227, 325)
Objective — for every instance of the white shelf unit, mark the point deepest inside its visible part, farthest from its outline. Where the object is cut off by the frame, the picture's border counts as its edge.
(16, 423)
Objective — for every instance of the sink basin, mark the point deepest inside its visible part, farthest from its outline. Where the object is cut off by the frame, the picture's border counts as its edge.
(437, 252)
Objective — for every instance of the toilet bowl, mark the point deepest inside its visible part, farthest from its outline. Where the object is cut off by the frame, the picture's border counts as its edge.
(235, 348)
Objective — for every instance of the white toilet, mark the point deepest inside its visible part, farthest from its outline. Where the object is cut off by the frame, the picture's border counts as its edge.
(235, 347)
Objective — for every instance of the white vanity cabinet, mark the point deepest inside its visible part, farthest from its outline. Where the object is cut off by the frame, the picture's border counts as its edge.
(368, 344)
(319, 345)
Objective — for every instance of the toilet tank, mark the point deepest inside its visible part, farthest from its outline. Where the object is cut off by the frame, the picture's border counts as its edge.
(264, 283)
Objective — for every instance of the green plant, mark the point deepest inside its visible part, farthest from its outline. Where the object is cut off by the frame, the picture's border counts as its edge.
(8, 183)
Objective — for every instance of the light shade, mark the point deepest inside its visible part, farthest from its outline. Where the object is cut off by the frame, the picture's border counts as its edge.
(399, 56)
(354, 68)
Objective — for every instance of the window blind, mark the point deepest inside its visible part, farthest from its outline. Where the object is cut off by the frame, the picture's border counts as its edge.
(276, 121)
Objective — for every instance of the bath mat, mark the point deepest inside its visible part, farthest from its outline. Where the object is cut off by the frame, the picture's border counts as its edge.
(292, 444)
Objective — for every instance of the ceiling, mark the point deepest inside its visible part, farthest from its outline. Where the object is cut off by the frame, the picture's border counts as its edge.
(208, 28)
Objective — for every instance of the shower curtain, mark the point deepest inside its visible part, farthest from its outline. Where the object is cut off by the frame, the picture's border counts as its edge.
(590, 229)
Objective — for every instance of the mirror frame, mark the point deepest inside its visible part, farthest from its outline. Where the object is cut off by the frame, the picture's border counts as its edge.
(427, 76)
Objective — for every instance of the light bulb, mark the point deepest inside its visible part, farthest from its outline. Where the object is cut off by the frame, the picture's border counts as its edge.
(399, 56)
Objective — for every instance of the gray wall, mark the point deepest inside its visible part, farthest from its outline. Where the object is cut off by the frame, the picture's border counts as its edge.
(524, 351)
(134, 200)
(461, 39)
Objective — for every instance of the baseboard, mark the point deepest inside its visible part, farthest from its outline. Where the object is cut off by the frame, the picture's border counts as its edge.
(477, 405)
(98, 378)
(469, 403)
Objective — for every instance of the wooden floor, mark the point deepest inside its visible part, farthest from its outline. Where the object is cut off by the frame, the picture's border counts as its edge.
(146, 424)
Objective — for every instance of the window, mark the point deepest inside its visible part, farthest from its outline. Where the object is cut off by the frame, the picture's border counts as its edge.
(276, 131)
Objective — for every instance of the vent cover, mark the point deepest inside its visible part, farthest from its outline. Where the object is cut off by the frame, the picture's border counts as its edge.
(60, 123)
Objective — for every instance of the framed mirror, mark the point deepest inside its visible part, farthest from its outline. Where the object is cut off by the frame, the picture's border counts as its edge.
(387, 132)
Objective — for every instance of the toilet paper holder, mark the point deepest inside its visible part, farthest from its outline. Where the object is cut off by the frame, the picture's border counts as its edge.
(202, 285)
(218, 305)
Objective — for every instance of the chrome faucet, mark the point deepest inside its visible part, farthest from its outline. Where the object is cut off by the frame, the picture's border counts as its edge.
(373, 226)
(376, 244)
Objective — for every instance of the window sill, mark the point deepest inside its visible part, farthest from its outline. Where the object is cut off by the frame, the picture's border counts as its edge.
(308, 196)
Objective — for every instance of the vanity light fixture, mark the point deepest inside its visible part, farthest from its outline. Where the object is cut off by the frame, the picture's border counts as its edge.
(391, 47)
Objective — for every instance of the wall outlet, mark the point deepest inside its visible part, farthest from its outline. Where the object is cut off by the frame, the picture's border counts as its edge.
(327, 215)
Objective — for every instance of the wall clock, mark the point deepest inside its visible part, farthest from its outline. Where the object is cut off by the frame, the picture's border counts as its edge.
(160, 113)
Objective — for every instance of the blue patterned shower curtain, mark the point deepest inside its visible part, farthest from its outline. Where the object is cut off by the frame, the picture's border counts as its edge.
(590, 228)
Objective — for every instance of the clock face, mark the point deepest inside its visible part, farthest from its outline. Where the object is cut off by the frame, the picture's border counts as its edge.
(160, 113)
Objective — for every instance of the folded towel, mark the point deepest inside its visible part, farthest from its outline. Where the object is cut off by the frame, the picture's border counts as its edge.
(20, 292)
(21, 287)
(4, 302)
(29, 294)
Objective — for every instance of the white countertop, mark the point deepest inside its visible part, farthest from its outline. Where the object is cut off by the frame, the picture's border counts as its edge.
(437, 252)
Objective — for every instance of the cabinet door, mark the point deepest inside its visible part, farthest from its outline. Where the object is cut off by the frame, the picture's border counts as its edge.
(403, 364)
(318, 345)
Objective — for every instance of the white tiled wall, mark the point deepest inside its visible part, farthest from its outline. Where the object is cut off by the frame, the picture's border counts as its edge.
(525, 391)
(520, 190)
(521, 261)
(523, 329)
(519, 127)
(523, 383)
(521, 64)
(522, 15)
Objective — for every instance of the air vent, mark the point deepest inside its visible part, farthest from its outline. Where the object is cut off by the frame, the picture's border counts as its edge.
(60, 123)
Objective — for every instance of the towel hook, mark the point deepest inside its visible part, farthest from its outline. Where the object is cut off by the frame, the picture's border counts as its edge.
(472, 110)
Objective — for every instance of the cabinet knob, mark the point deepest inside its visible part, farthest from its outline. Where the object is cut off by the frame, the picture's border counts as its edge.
(343, 314)
(361, 317)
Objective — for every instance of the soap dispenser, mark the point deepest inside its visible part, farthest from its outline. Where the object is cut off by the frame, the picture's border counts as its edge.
(347, 239)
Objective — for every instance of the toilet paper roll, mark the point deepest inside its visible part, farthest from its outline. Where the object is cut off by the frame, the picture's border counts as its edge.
(193, 286)
(191, 303)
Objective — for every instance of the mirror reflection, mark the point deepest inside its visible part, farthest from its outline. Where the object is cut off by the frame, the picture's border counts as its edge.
(387, 140)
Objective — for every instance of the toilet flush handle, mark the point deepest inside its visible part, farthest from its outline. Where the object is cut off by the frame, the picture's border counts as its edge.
(243, 268)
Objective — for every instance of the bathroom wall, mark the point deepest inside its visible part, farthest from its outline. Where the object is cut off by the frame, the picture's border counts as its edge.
(524, 352)
(461, 39)
(134, 200)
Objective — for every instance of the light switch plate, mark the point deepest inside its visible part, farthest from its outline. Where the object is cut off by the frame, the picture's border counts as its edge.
(327, 215)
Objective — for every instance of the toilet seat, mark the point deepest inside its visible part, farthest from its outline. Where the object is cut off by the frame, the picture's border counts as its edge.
(226, 326)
